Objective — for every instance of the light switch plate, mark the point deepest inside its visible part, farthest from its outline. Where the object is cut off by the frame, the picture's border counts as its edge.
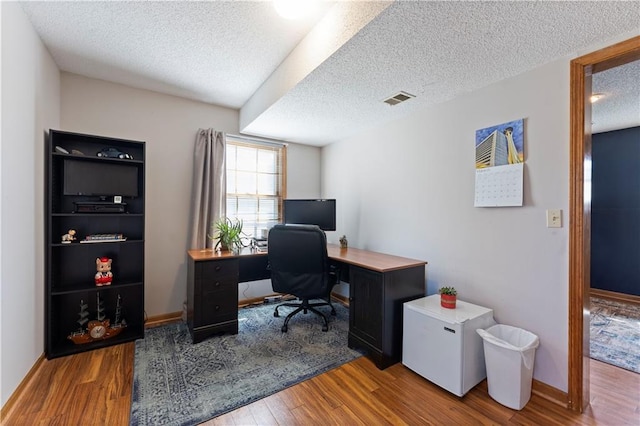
(554, 218)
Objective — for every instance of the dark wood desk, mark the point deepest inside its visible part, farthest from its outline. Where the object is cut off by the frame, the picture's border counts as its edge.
(379, 285)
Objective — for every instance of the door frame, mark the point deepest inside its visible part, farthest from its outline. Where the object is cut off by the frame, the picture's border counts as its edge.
(581, 70)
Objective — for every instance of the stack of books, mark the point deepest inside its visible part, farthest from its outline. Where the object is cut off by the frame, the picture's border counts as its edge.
(103, 238)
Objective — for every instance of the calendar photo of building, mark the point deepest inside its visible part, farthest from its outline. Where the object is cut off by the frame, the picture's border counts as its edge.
(500, 145)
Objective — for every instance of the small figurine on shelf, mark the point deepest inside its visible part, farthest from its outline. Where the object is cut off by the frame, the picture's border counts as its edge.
(69, 236)
(104, 275)
(343, 242)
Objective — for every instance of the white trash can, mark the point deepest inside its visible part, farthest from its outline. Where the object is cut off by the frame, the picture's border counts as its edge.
(509, 354)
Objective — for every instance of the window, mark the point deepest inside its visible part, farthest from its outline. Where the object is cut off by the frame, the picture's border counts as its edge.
(256, 183)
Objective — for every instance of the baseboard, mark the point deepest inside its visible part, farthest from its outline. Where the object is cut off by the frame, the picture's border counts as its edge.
(342, 299)
(177, 316)
(612, 295)
(550, 393)
(163, 319)
(17, 394)
(257, 300)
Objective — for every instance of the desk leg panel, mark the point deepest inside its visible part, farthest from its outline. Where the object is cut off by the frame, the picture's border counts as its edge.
(400, 286)
(376, 306)
(380, 359)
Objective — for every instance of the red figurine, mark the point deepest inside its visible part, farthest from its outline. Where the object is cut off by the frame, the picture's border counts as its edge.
(104, 275)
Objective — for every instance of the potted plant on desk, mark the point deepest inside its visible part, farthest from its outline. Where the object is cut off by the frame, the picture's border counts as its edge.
(448, 296)
(228, 232)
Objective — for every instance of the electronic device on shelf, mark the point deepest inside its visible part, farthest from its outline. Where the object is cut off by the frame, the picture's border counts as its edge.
(99, 207)
(103, 238)
(321, 212)
(260, 244)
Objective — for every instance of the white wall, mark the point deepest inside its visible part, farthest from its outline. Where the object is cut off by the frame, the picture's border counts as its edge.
(168, 124)
(407, 188)
(303, 171)
(30, 106)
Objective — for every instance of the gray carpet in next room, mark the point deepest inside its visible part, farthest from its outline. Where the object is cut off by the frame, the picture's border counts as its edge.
(615, 333)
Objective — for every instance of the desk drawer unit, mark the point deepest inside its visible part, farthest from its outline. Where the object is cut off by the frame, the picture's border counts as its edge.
(212, 297)
(216, 270)
(218, 302)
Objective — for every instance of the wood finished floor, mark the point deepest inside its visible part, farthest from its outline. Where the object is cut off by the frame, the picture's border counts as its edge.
(94, 388)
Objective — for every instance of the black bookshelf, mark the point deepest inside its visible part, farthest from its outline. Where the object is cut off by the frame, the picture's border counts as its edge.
(70, 267)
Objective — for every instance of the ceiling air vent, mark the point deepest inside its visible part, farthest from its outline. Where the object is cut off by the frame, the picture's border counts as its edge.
(398, 98)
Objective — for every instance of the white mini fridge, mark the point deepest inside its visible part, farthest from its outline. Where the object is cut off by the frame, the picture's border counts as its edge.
(442, 345)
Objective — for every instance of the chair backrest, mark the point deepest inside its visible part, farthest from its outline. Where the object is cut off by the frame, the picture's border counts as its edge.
(298, 260)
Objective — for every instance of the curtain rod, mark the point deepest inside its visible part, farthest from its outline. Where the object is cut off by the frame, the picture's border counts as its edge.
(262, 141)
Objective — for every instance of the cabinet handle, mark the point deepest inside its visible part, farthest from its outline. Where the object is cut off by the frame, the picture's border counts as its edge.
(217, 307)
(217, 284)
(218, 268)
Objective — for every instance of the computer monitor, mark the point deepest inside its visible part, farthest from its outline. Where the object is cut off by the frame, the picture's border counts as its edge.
(321, 212)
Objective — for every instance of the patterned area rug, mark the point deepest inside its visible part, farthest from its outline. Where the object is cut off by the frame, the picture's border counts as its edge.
(178, 383)
(615, 333)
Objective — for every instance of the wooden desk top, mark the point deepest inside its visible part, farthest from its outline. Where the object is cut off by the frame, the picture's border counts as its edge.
(209, 254)
(379, 262)
(371, 260)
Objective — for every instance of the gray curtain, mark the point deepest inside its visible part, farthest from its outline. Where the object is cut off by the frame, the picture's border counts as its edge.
(209, 186)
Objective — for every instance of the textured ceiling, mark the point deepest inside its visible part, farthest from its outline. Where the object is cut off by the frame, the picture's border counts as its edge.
(216, 52)
(324, 78)
(620, 106)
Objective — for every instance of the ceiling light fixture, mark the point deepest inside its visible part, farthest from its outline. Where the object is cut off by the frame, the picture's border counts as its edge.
(294, 9)
(596, 97)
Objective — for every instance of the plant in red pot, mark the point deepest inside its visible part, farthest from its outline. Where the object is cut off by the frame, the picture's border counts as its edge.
(448, 297)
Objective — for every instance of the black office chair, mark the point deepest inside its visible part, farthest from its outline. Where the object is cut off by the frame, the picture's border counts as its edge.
(300, 266)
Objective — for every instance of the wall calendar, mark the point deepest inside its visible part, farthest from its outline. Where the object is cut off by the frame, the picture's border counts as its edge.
(500, 165)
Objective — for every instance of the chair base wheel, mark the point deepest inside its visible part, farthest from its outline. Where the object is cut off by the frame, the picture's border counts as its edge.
(304, 307)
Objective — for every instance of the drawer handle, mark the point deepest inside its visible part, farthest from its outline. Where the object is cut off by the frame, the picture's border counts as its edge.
(218, 268)
(217, 284)
(217, 307)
